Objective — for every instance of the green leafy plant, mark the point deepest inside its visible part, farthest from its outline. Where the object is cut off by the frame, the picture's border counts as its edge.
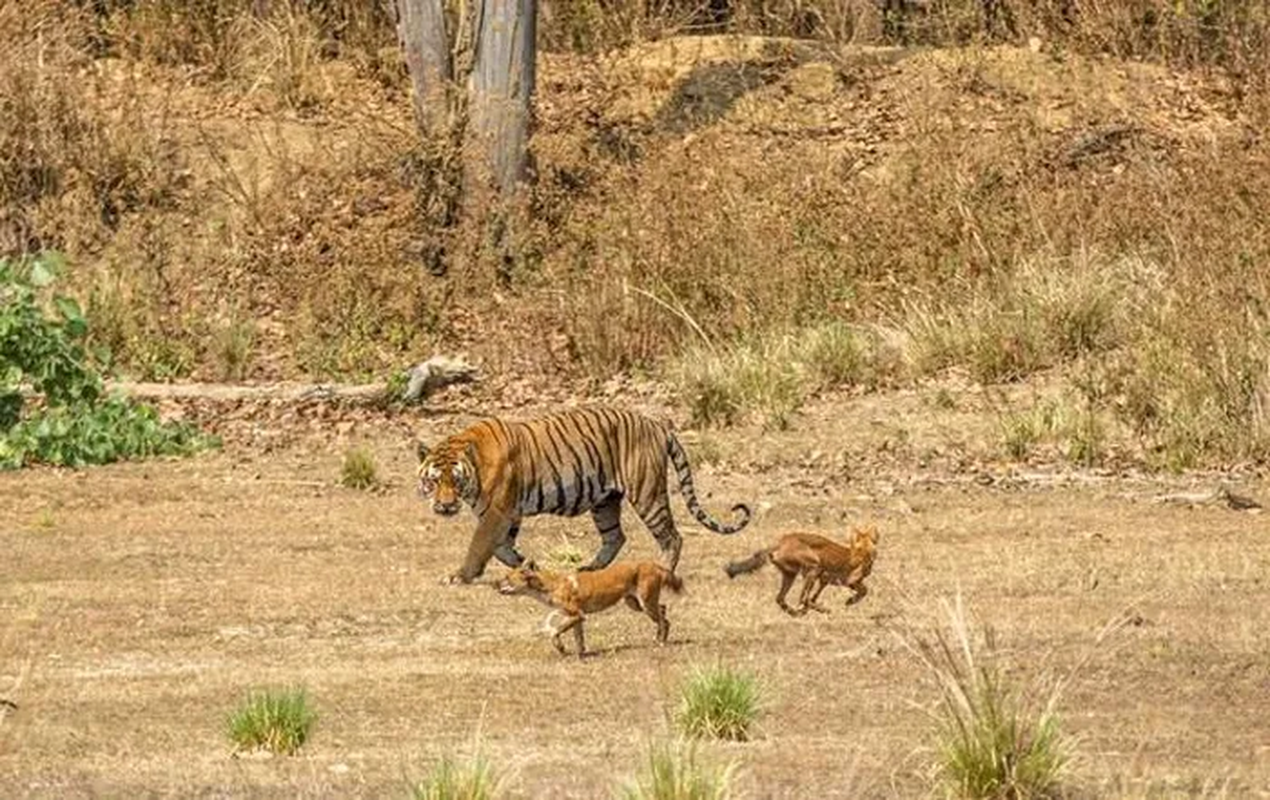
(53, 405)
(719, 703)
(278, 721)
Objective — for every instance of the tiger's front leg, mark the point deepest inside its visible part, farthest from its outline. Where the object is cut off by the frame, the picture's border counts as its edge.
(507, 552)
(491, 536)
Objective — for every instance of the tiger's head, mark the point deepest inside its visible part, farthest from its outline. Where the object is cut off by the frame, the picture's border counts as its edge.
(447, 474)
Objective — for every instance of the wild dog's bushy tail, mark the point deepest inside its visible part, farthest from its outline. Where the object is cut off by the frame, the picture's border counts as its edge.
(750, 564)
(680, 459)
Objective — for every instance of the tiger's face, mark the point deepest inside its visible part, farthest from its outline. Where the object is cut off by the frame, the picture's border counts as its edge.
(448, 477)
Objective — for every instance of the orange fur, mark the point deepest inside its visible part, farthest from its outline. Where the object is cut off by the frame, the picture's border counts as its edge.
(821, 561)
(575, 595)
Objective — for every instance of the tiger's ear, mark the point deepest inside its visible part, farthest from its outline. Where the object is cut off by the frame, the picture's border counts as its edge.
(421, 450)
(470, 452)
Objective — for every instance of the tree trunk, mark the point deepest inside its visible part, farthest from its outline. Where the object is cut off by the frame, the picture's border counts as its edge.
(500, 90)
(473, 88)
(421, 28)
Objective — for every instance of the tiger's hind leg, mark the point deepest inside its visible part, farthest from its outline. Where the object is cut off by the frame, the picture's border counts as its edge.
(608, 521)
(654, 510)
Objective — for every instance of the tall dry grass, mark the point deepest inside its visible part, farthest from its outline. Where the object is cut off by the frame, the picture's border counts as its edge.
(947, 218)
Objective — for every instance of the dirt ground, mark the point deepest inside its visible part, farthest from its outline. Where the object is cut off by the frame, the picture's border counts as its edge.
(140, 602)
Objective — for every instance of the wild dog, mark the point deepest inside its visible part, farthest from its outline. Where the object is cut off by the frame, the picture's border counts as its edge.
(821, 561)
(574, 595)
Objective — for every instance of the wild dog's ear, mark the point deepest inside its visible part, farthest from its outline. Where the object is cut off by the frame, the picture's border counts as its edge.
(421, 450)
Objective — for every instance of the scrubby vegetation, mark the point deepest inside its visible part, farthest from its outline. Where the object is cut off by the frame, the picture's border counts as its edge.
(54, 407)
(1070, 188)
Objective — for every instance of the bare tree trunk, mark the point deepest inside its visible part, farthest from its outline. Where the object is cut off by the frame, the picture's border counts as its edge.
(500, 90)
(422, 30)
(473, 88)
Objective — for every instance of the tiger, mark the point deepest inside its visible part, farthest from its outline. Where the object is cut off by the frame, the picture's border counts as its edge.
(567, 463)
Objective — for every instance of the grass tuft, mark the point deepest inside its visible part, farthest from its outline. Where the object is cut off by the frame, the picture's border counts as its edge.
(277, 721)
(455, 779)
(719, 703)
(991, 740)
(675, 771)
(359, 470)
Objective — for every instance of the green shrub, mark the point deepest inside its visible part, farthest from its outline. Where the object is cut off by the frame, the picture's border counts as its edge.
(53, 404)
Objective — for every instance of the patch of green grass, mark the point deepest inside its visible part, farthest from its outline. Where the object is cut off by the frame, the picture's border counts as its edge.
(454, 779)
(275, 720)
(359, 470)
(675, 771)
(719, 703)
(991, 740)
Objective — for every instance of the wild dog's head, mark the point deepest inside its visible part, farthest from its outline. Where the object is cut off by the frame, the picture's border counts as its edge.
(522, 580)
(865, 539)
(447, 473)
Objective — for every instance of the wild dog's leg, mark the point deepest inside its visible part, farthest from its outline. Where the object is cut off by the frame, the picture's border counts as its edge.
(855, 582)
(633, 603)
(573, 621)
(580, 638)
(506, 552)
(810, 578)
(650, 597)
(787, 580)
(608, 521)
(859, 591)
(653, 508)
(820, 587)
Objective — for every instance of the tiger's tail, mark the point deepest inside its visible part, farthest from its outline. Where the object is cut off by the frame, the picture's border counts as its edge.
(750, 564)
(680, 459)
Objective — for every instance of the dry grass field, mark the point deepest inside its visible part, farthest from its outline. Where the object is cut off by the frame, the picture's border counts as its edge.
(141, 602)
(991, 274)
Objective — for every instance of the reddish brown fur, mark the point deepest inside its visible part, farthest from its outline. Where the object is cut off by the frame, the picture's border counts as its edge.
(821, 561)
(575, 595)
